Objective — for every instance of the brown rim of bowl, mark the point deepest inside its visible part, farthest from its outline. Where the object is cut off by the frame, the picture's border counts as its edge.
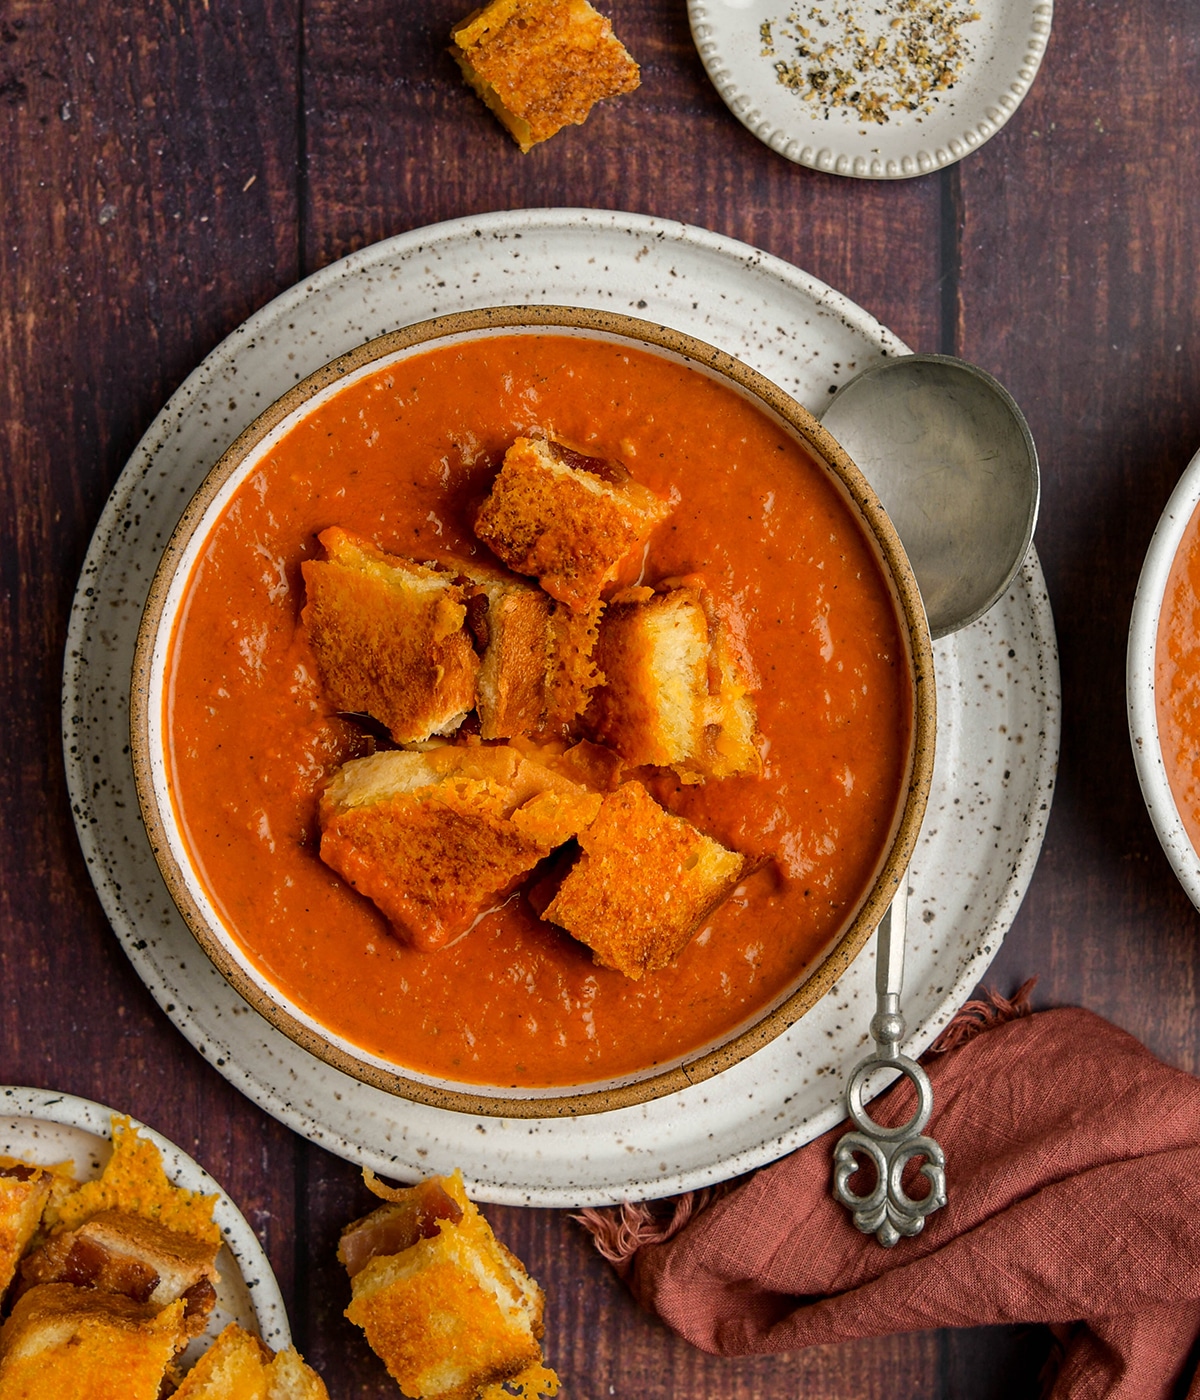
(910, 808)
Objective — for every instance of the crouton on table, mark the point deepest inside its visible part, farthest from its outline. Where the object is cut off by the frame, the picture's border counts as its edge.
(389, 637)
(541, 65)
(450, 1311)
(434, 838)
(675, 693)
(645, 882)
(567, 519)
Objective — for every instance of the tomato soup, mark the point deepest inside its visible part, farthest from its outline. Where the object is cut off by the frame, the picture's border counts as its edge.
(403, 456)
(1177, 679)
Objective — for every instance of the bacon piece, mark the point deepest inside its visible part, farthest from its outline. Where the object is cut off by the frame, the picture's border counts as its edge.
(397, 1226)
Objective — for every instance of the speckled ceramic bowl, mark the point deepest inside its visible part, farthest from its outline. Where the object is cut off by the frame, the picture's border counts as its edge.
(1140, 694)
(149, 737)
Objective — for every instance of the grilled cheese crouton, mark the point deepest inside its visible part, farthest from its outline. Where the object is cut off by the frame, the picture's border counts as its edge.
(434, 838)
(121, 1253)
(645, 882)
(675, 692)
(537, 670)
(541, 65)
(239, 1367)
(77, 1344)
(24, 1195)
(389, 637)
(567, 519)
(450, 1312)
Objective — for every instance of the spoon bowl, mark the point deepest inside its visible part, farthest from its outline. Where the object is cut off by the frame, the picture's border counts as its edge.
(951, 457)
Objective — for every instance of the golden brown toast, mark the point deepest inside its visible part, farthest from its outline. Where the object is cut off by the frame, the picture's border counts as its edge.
(233, 1368)
(541, 65)
(676, 691)
(65, 1343)
(121, 1253)
(239, 1367)
(451, 1313)
(644, 884)
(389, 637)
(24, 1194)
(435, 838)
(537, 670)
(567, 519)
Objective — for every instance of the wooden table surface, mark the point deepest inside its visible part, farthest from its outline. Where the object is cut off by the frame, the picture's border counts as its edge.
(166, 169)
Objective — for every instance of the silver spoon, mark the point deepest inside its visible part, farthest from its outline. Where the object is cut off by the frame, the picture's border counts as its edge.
(949, 454)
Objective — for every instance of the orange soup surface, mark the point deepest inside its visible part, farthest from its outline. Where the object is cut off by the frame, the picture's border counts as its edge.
(403, 456)
(1177, 679)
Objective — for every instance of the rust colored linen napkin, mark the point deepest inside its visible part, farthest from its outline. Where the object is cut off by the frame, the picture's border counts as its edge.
(1073, 1176)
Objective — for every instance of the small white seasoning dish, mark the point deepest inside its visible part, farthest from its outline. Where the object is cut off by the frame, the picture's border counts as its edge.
(742, 41)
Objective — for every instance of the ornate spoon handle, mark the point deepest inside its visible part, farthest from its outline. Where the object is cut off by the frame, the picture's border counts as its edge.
(887, 1211)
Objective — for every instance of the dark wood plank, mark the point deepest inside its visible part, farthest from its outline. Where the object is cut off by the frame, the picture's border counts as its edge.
(1081, 237)
(131, 245)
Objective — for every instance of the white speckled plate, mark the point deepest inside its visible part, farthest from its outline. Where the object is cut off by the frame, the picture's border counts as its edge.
(998, 714)
(1140, 680)
(46, 1128)
(1003, 50)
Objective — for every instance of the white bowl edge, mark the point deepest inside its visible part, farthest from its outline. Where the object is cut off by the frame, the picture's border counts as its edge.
(1139, 680)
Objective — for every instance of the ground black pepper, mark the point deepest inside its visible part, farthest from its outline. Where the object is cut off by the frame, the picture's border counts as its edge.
(871, 59)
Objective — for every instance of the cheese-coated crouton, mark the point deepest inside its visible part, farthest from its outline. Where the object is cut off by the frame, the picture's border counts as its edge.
(435, 838)
(119, 1252)
(644, 884)
(537, 670)
(675, 693)
(24, 1193)
(567, 519)
(446, 1307)
(541, 65)
(66, 1342)
(389, 637)
(239, 1367)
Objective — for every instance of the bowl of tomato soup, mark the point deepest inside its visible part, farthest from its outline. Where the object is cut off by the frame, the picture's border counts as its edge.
(1163, 680)
(234, 741)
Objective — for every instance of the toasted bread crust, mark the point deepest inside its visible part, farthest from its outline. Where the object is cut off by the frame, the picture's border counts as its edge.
(239, 1367)
(568, 527)
(233, 1368)
(117, 1252)
(79, 1344)
(512, 677)
(452, 1313)
(435, 838)
(389, 637)
(645, 882)
(675, 692)
(538, 669)
(541, 65)
(654, 655)
(23, 1198)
